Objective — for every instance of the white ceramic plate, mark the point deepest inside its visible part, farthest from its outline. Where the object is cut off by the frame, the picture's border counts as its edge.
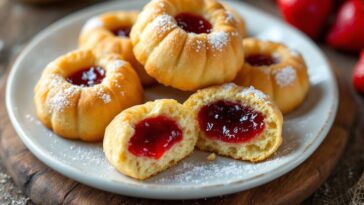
(194, 177)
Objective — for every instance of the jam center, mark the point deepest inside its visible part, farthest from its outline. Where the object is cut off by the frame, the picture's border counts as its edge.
(230, 122)
(193, 24)
(154, 136)
(261, 60)
(87, 76)
(122, 31)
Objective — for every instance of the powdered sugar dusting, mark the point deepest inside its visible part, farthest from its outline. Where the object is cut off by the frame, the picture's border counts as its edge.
(29, 117)
(88, 158)
(53, 81)
(56, 81)
(92, 23)
(197, 170)
(116, 64)
(252, 91)
(79, 155)
(204, 172)
(100, 92)
(85, 155)
(106, 98)
(90, 76)
(165, 23)
(116, 83)
(285, 76)
(33, 119)
(199, 45)
(218, 40)
(61, 100)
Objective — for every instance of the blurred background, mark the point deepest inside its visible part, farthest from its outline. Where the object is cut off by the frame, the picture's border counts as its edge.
(337, 26)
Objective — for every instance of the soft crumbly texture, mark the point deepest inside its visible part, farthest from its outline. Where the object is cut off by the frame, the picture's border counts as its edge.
(96, 34)
(83, 113)
(121, 129)
(187, 61)
(286, 82)
(257, 149)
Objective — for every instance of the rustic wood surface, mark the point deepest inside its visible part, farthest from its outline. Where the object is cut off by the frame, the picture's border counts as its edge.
(45, 186)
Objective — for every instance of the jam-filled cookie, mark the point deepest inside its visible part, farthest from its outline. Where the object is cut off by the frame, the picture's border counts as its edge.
(276, 70)
(109, 33)
(188, 44)
(237, 122)
(146, 139)
(79, 93)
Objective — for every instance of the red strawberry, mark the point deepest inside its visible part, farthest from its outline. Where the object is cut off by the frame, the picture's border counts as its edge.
(347, 32)
(358, 74)
(307, 15)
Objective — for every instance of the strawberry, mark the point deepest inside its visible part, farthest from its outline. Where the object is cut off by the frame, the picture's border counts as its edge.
(347, 33)
(307, 15)
(358, 74)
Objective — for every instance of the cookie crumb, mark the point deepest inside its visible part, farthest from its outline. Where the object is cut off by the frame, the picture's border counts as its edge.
(211, 157)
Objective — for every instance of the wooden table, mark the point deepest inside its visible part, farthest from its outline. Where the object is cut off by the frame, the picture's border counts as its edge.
(20, 22)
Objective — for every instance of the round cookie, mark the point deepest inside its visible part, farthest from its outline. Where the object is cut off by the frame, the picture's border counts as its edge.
(242, 123)
(188, 44)
(109, 33)
(147, 139)
(276, 70)
(79, 93)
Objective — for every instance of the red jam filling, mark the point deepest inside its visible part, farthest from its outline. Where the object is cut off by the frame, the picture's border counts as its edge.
(192, 23)
(122, 32)
(154, 136)
(230, 122)
(261, 60)
(87, 76)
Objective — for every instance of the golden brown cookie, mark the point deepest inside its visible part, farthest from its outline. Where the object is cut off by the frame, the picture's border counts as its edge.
(147, 139)
(276, 70)
(242, 123)
(79, 93)
(109, 33)
(188, 44)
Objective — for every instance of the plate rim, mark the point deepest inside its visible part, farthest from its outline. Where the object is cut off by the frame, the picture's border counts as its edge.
(134, 189)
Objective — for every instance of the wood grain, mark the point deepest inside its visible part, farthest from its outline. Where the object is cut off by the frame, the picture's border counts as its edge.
(45, 186)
